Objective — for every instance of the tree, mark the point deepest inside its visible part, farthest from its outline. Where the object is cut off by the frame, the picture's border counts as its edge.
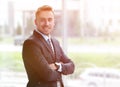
(18, 30)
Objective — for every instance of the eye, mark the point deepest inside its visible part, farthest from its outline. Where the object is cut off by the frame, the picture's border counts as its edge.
(42, 19)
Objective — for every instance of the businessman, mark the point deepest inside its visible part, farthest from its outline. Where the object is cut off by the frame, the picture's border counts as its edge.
(44, 59)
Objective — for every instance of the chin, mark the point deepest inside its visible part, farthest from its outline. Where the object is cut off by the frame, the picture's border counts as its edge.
(47, 34)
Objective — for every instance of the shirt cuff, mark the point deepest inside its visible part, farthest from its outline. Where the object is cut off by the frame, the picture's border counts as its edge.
(60, 66)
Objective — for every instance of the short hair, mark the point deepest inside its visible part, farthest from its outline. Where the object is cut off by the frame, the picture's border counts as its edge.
(43, 8)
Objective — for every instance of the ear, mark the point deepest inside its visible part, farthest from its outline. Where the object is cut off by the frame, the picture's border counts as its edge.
(35, 21)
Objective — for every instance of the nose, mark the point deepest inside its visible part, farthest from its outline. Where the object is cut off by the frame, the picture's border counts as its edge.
(46, 22)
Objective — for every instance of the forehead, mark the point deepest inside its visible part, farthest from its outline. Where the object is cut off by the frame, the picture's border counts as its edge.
(46, 14)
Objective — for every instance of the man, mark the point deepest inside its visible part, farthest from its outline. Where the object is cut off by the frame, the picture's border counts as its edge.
(44, 60)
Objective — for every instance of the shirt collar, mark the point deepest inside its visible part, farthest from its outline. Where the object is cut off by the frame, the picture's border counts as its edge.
(44, 36)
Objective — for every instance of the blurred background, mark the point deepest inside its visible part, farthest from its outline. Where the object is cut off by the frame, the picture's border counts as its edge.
(88, 31)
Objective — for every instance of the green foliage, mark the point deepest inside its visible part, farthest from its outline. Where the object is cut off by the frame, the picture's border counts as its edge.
(84, 60)
(93, 41)
(7, 40)
(11, 61)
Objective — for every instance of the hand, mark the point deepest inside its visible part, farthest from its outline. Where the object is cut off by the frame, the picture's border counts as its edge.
(59, 66)
(53, 66)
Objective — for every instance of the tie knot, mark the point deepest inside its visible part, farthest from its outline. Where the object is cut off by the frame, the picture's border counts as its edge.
(49, 41)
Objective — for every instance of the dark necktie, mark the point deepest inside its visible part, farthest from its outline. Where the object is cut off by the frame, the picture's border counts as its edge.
(51, 45)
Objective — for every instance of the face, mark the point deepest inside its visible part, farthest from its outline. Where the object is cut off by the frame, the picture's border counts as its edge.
(45, 22)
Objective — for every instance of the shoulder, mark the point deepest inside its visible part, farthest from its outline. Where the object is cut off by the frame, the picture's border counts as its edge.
(34, 41)
(55, 40)
(28, 40)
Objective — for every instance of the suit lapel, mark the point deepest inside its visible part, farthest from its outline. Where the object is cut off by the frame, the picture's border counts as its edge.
(42, 40)
(54, 46)
(47, 46)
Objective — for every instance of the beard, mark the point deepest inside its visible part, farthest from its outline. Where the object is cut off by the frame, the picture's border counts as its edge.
(46, 27)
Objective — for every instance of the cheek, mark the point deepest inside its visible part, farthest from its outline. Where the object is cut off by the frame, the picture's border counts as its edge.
(40, 24)
(53, 24)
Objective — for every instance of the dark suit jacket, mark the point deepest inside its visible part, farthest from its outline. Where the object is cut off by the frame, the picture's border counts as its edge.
(37, 55)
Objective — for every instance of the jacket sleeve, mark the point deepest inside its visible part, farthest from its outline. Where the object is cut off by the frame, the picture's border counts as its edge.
(68, 66)
(34, 60)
